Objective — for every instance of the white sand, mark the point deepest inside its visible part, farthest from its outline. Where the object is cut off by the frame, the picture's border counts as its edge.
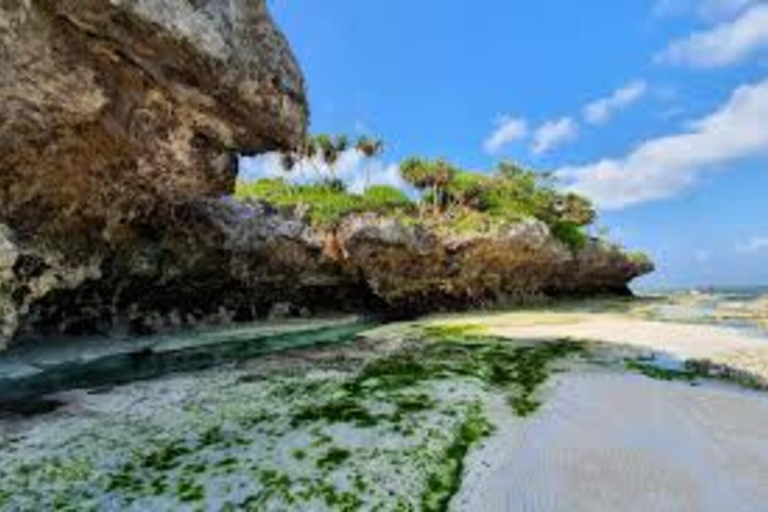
(605, 442)
(687, 341)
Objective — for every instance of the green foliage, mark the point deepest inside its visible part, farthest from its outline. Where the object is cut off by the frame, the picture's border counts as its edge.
(274, 190)
(573, 209)
(385, 197)
(469, 189)
(328, 202)
(570, 234)
(424, 174)
(451, 198)
(639, 258)
(511, 194)
(369, 147)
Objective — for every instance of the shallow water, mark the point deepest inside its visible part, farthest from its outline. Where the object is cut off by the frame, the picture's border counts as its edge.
(35, 370)
(745, 310)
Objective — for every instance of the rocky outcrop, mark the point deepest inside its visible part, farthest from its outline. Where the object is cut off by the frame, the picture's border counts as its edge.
(111, 109)
(120, 125)
(225, 261)
(115, 113)
(414, 268)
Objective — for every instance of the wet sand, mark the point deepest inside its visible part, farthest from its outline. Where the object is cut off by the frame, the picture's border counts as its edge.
(735, 349)
(687, 341)
(607, 442)
(604, 439)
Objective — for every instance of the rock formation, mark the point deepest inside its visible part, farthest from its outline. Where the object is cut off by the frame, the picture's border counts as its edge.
(226, 261)
(114, 112)
(111, 109)
(120, 124)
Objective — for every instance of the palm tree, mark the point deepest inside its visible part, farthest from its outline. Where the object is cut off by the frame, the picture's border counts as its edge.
(369, 148)
(327, 150)
(468, 189)
(424, 174)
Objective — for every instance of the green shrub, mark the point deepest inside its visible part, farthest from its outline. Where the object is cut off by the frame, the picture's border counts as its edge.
(328, 201)
(469, 189)
(639, 258)
(570, 234)
(385, 197)
(451, 199)
(274, 190)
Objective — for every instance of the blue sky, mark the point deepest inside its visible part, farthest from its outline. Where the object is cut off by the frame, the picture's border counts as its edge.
(656, 109)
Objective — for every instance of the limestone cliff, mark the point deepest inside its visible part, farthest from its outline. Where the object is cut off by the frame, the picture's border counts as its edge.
(112, 109)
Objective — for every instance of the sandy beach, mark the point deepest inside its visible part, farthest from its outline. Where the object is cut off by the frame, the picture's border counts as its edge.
(736, 349)
(556, 410)
(606, 442)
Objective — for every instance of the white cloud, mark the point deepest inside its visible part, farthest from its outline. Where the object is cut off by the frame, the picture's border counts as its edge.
(719, 9)
(508, 130)
(601, 111)
(663, 167)
(756, 244)
(352, 167)
(727, 43)
(554, 133)
(710, 10)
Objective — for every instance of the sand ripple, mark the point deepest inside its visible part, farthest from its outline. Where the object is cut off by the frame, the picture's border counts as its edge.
(606, 442)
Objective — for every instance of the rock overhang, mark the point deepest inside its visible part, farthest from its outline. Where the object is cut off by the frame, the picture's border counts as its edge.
(110, 108)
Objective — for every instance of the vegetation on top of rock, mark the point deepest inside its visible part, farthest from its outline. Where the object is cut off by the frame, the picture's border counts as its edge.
(446, 196)
(639, 258)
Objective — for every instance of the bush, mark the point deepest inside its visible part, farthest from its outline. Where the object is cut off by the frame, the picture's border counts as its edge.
(328, 201)
(450, 198)
(469, 189)
(385, 197)
(639, 258)
(570, 234)
(274, 190)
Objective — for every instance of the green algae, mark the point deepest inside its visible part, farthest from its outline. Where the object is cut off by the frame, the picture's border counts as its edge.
(725, 373)
(291, 491)
(333, 458)
(656, 372)
(443, 354)
(165, 457)
(450, 331)
(188, 490)
(239, 429)
(444, 482)
(341, 411)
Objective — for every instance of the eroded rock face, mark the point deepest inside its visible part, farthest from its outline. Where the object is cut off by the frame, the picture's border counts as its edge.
(226, 261)
(411, 268)
(111, 109)
(113, 115)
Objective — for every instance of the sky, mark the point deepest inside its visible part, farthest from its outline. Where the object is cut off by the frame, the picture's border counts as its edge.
(655, 109)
